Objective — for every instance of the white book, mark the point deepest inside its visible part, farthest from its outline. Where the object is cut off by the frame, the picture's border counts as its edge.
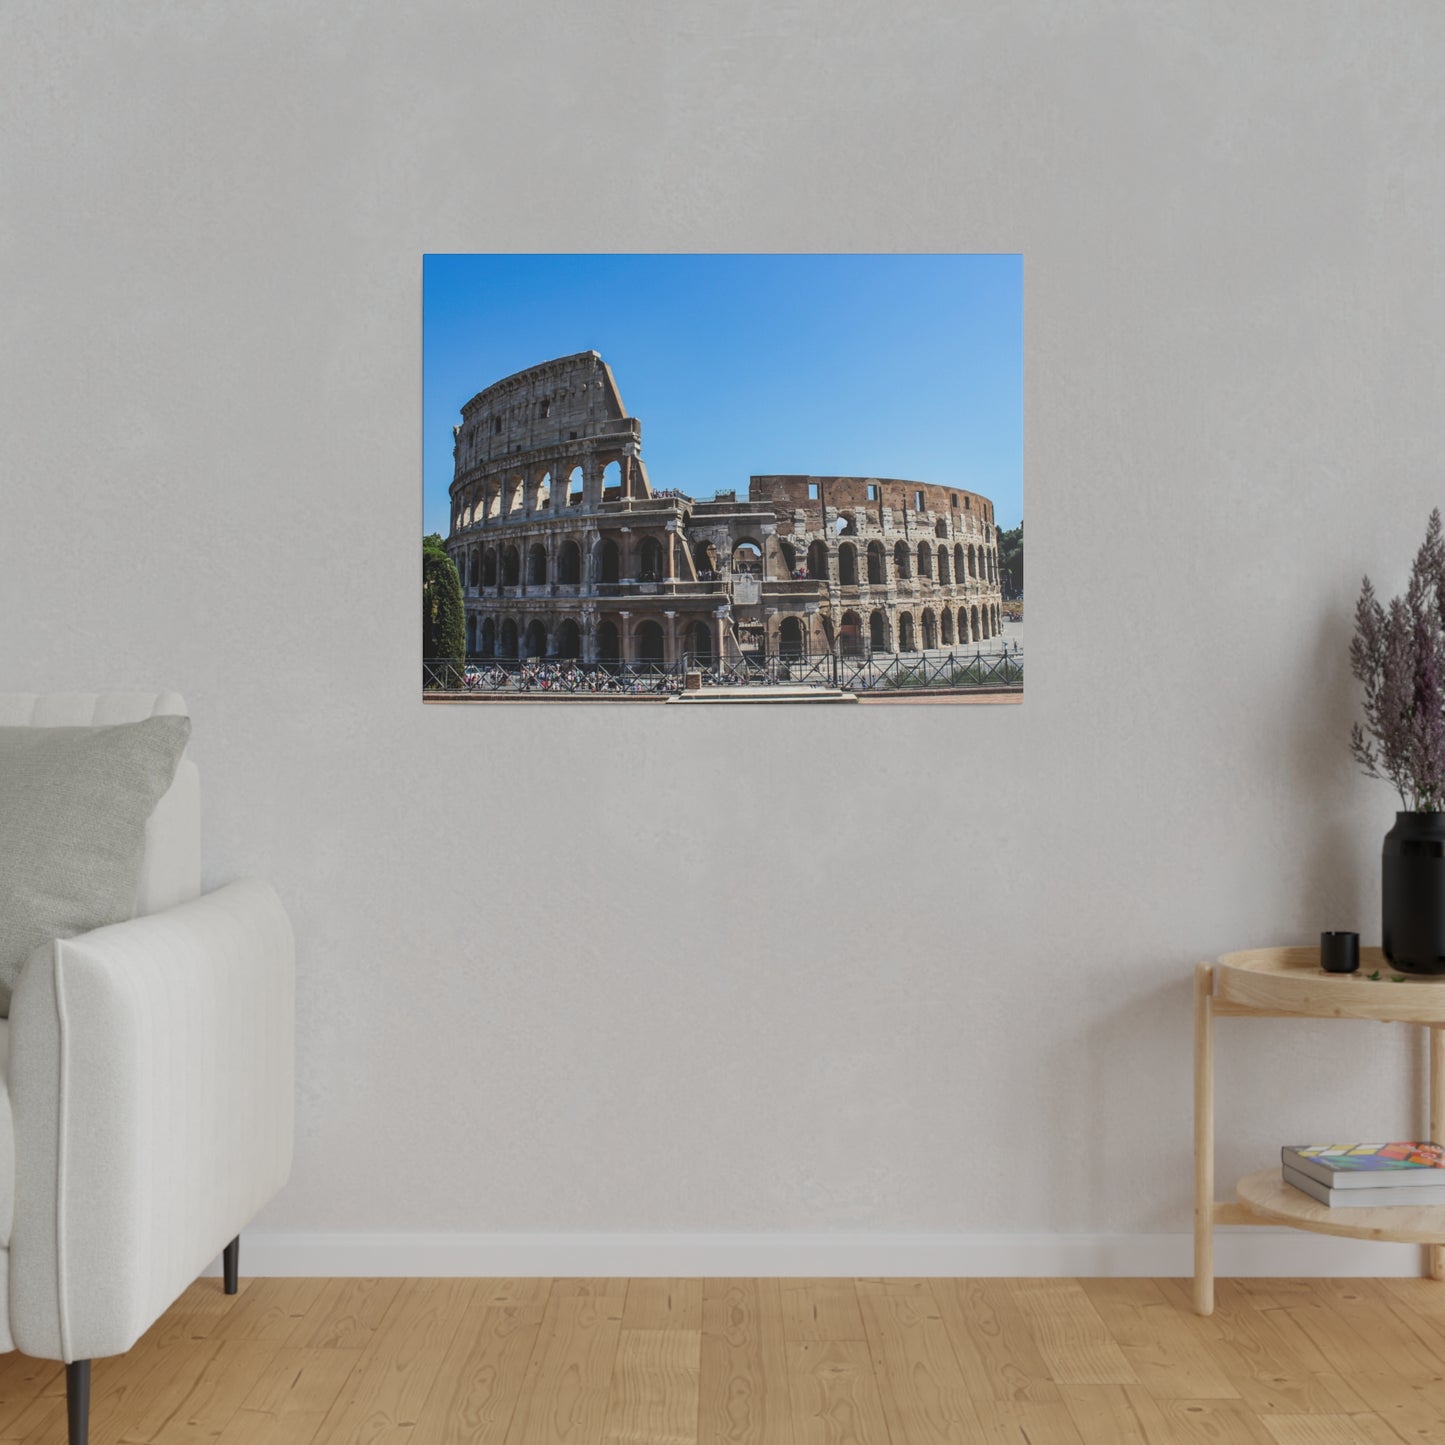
(1377, 1198)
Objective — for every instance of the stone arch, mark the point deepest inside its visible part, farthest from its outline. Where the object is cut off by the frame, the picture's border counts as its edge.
(489, 567)
(609, 561)
(878, 630)
(747, 558)
(940, 529)
(474, 568)
(943, 577)
(846, 525)
(945, 624)
(960, 568)
(542, 500)
(818, 561)
(906, 640)
(608, 647)
(574, 487)
(507, 644)
(902, 561)
(697, 642)
(569, 564)
(515, 488)
(511, 567)
(972, 561)
(536, 565)
(534, 639)
(648, 641)
(850, 635)
(930, 630)
(877, 565)
(847, 565)
(790, 638)
(569, 638)
(612, 482)
(973, 624)
(487, 640)
(790, 555)
(925, 560)
(704, 558)
(651, 566)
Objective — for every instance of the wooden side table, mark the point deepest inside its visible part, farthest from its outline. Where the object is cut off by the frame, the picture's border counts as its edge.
(1289, 983)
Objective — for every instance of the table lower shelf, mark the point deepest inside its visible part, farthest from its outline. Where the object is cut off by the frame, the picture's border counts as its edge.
(1267, 1196)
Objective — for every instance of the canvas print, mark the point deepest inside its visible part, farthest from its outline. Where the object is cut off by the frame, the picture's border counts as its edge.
(722, 478)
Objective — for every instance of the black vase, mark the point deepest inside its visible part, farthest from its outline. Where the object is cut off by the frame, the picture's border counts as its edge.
(1414, 893)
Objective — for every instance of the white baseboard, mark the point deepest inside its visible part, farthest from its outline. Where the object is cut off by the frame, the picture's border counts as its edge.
(1242, 1252)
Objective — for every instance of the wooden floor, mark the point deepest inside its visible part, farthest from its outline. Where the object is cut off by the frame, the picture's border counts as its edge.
(765, 1362)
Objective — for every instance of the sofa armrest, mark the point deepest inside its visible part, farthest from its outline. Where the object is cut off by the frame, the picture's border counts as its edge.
(151, 1081)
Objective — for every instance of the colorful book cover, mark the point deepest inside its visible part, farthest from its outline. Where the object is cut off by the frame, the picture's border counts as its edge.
(1366, 1158)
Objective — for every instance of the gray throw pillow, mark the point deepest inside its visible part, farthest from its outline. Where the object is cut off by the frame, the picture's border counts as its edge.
(73, 809)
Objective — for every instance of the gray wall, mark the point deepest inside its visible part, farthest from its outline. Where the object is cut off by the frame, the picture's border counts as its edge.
(560, 969)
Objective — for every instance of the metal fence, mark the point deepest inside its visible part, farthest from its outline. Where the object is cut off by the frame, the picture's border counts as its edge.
(871, 673)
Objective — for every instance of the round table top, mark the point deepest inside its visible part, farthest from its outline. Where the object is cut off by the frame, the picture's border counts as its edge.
(1290, 980)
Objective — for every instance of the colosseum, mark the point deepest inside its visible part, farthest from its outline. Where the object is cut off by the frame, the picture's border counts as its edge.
(566, 550)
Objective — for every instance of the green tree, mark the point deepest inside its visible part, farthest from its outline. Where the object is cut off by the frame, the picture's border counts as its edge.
(443, 618)
(1011, 561)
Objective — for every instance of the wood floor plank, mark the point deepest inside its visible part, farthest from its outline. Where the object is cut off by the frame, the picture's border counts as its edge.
(1074, 1342)
(570, 1375)
(1108, 1414)
(347, 1316)
(653, 1400)
(997, 1353)
(1330, 1430)
(292, 1396)
(272, 1309)
(398, 1367)
(479, 1385)
(1164, 1345)
(925, 1397)
(1205, 1422)
(229, 1376)
(834, 1395)
(743, 1372)
(821, 1309)
(663, 1304)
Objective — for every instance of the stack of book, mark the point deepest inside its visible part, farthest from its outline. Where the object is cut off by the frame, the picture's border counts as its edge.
(1367, 1176)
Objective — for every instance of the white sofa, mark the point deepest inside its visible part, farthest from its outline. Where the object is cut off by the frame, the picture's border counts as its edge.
(147, 1069)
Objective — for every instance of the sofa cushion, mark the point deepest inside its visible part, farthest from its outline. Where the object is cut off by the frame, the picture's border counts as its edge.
(73, 809)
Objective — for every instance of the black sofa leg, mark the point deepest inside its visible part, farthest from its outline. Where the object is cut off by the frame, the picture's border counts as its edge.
(77, 1401)
(231, 1264)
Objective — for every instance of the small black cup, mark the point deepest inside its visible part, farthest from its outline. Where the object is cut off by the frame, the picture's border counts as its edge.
(1340, 952)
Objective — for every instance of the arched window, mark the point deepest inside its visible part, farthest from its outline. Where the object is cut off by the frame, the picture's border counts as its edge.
(748, 559)
(537, 565)
(943, 578)
(535, 642)
(511, 569)
(574, 487)
(905, 633)
(569, 639)
(704, 558)
(508, 647)
(818, 561)
(930, 630)
(609, 562)
(569, 564)
(940, 528)
(790, 638)
(608, 648)
(649, 643)
(488, 647)
(972, 561)
(902, 561)
(876, 571)
(790, 556)
(847, 564)
(489, 567)
(945, 623)
(878, 630)
(515, 487)
(544, 493)
(960, 567)
(474, 570)
(850, 635)
(651, 569)
(612, 482)
(697, 642)
(963, 637)
(973, 624)
(925, 560)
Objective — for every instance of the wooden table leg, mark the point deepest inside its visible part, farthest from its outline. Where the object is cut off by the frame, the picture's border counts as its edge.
(1204, 1138)
(1435, 1253)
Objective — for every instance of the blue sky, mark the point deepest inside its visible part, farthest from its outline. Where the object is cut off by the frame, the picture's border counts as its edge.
(885, 366)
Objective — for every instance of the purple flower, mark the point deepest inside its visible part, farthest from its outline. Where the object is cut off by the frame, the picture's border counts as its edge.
(1399, 655)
